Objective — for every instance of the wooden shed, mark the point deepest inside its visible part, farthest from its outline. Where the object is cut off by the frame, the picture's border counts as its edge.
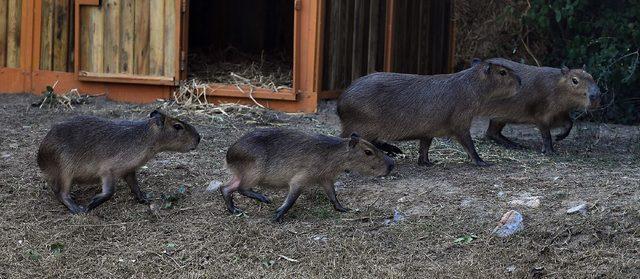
(141, 50)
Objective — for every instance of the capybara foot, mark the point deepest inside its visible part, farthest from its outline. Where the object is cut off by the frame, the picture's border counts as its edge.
(425, 163)
(339, 207)
(505, 142)
(481, 163)
(143, 198)
(78, 210)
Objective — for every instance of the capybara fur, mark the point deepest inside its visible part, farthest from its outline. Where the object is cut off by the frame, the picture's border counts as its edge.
(546, 99)
(283, 157)
(88, 149)
(391, 106)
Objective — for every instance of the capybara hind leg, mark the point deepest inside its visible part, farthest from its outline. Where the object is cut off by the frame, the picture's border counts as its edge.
(494, 133)
(467, 142)
(108, 188)
(227, 194)
(254, 195)
(391, 149)
(292, 196)
(62, 191)
(566, 129)
(547, 143)
(330, 190)
(132, 181)
(423, 158)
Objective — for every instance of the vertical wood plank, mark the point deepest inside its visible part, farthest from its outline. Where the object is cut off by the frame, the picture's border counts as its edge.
(141, 37)
(96, 34)
(60, 35)
(71, 36)
(3, 32)
(127, 13)
(333, 44)
(156, 38)
(85, 39)
(14, 17)
(357, 49)
(374, 35)
(111, 35)
(46, 38)
(169, 38)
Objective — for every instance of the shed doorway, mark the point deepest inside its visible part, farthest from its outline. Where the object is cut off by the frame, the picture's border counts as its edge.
(242, 43)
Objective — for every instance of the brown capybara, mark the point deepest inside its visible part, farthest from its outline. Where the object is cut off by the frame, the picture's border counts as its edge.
(390, 106)
(546, 99)
(88, 149)
(283, 157)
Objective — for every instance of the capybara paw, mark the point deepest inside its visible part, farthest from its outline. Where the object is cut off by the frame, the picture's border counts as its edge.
(78, 210)
(549, 152)
(425, 163)
(143, 198)
(341, 208)
(561, 137)
(278, 216)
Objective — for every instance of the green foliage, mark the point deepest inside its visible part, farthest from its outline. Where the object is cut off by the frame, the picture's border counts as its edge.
(602, 35)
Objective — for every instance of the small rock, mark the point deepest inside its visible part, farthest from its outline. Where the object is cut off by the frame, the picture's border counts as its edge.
(5, 155)
(532, 202)
(397, 218)
(511, 268)
(320, 238)
(580, 208)
(213, 186)
(510, 223)
(501, 194)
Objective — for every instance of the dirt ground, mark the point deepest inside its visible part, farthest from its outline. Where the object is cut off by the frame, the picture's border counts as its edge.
(194, 237)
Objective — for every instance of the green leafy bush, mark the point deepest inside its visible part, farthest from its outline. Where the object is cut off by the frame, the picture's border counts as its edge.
(604, 36)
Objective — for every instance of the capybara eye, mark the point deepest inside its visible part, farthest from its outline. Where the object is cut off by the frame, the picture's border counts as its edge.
(503, 72)
(574, 80)
(178, 126)
(368, 152)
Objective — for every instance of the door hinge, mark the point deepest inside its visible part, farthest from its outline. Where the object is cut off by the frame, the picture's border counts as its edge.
(183, 60)
(183, 6)
(297, 5)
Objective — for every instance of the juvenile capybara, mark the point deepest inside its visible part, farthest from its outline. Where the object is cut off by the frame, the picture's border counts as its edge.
(88, 149)
(390, 106)
(546, 99)
(283, 157)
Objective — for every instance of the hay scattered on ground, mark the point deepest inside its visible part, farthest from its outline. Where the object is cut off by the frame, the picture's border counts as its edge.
(231, 66)
(67, 99)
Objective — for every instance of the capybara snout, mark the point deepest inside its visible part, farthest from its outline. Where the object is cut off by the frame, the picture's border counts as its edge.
(176, 135)
(367, 159)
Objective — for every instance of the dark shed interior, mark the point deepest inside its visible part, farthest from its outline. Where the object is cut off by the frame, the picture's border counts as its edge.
(251, 38)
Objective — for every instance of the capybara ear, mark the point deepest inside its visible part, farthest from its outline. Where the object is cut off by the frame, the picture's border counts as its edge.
(159, 116)
(487, 68)
(475, 61)
(584, 67)
(564, 70)
(355, 138)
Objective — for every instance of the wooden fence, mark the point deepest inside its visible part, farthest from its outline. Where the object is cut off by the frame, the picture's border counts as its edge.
(10, 18)
(131, 37)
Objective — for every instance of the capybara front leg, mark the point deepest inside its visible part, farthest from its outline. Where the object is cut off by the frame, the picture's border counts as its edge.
(494, 133)
(547, 143)
(292, 196)
(330, 190)
(62, 191)
(566, 129)
(423, 158)
(108, 188)
(467, 142)
(132, 181)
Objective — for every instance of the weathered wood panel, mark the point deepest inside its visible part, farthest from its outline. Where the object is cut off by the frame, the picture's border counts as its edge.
(353, 42)
(60, 34)
(3, 32)
(135, 37)
(111, 35)
(46, 36)
(127, 20)
(14, 16)
(169, 37)
(141, 37)
(156, 38)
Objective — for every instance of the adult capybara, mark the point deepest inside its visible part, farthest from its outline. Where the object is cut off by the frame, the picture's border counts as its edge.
(546, 98)
(283, 157)
(88, 149)
(390, 106)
